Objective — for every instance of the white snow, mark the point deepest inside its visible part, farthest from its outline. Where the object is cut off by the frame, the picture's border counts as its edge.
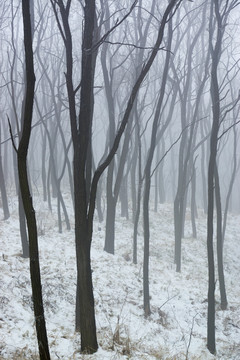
(176, 328)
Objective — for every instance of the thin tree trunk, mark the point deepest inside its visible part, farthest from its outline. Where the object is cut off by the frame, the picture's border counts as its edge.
(233, 176)
(220, 243)
(3, 190)
(215, 52)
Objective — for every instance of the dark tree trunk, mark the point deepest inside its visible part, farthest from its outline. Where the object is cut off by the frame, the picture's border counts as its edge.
(215, 54)
(81, 143)
(25, 190)
(23, 229)
(211, 272)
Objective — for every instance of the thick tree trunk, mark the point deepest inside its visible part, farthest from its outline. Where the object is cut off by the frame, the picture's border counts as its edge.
(22, 225)
(85, 312)
(34, 259)
(25, 190)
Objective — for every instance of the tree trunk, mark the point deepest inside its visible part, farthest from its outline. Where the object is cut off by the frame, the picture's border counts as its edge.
(220, 243)
(146, 298)
(211, 272)
(193, 204)
(25, 190)
(23, 229)
(233, 176)
(215, 53)
(3, 192)
(110, 225)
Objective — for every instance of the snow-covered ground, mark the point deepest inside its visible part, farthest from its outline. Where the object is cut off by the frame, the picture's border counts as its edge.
(176, 328)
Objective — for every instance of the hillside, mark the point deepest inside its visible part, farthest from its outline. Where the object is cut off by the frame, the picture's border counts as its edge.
(176, 328)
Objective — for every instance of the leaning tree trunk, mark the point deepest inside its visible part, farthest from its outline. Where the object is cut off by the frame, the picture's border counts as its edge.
(25, 190)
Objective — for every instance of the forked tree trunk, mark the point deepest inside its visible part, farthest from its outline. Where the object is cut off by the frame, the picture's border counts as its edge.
(84, 205)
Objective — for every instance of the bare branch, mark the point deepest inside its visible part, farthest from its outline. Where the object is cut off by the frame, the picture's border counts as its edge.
(104, 37)
(135, 46)
(230, 127)
(11, 134)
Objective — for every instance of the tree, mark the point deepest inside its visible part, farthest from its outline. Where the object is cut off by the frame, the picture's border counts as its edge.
(218, 14)
(81, 135)
(147, 171)
(24, 186)
(188, 128)
(3, 186)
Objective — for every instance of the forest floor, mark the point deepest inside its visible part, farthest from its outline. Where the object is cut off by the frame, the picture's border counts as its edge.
(176, 328)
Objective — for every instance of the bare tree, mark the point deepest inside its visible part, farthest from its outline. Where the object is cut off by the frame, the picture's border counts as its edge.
(81, 134)
(24, 186)
(3, 186)
(219, 14)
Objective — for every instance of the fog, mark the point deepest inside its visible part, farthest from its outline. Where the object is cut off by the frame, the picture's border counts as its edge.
(154, 119)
